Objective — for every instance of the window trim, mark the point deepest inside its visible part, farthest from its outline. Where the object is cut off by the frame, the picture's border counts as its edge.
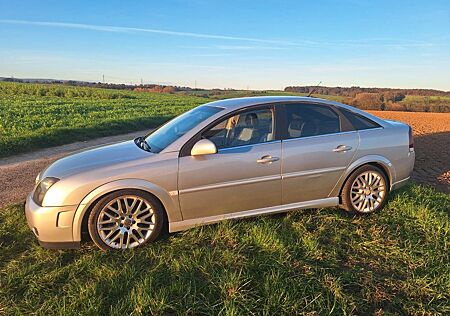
(317, 136)
(187, 147)
(248, 145)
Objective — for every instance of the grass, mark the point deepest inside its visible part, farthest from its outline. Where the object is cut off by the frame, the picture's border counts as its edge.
(415, 103)
(305, 262)
(34, 116)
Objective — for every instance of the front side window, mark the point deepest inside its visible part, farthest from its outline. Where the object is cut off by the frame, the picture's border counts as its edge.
(174, 129)
(304, 120)
(246, 128)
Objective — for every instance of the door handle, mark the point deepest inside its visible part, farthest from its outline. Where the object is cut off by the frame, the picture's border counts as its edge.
(267, 159)
(342, 149)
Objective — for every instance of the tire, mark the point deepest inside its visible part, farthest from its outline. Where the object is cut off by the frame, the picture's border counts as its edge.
(365, 191)
(126, 219)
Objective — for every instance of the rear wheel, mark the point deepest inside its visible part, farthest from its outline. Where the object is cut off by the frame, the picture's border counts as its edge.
(365, 191)
(126, 219)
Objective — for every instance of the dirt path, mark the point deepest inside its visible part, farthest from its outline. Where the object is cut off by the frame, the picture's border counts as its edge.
(17, 173)
(432, 142)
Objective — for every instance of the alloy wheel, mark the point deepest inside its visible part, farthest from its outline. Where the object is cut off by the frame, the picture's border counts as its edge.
(126, 222)
(368, 191)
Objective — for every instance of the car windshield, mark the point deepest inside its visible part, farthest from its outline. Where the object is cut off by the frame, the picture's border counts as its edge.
(174, 129)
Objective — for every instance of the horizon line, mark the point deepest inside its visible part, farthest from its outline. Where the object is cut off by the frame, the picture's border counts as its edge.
(187, 86)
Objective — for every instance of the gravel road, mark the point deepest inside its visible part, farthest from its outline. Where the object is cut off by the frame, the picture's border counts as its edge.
(17, 173)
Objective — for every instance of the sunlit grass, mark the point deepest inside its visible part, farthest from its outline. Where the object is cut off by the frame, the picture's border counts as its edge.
(323, 261)
(67, 114)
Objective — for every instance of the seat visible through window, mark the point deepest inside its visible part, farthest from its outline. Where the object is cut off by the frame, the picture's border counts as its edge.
(245, 128)
(311, 120)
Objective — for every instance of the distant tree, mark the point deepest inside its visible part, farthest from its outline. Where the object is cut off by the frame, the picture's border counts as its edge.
(353, 91)
(157, 88)
(393, 96)
(369, 101)
(169, 89)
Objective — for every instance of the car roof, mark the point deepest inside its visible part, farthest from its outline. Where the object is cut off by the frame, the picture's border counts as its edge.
(236, 103)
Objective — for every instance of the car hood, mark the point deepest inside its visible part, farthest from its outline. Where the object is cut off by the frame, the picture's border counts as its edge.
(95, 158)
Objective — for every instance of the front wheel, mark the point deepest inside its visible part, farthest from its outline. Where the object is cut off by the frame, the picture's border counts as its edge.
(365, 191)
(125, 219)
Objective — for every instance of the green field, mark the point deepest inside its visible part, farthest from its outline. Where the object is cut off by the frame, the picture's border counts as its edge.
(36, 116)
(309, 261)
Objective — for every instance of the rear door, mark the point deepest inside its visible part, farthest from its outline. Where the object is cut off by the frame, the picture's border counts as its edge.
(317, 147)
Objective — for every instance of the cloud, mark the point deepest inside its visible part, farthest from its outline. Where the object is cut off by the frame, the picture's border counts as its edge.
(122, 29)
(247, 47)
(269, 43)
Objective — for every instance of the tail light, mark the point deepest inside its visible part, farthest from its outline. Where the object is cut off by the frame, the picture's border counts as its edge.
(411, 139)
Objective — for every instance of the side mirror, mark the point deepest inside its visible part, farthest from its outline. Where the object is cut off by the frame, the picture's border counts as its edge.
(203, 147)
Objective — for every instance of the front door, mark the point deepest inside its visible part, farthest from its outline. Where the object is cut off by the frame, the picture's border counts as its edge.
(245, 174)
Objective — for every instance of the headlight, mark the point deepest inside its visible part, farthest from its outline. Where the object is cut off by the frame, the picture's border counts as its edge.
(42, 188)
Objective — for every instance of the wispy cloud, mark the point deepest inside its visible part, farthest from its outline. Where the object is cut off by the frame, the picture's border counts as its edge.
(268, 43)
(247, 47)
(122, 29)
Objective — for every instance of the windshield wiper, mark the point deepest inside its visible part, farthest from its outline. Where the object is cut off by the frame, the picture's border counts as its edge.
(142, 143)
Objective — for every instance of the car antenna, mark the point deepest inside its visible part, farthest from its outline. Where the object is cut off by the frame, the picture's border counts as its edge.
(314, 89)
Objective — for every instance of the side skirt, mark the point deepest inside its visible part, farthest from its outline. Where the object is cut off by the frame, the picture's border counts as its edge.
(399, 184)
(186, 224)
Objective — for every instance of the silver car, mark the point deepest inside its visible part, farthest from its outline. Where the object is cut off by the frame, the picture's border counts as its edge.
(226, 159)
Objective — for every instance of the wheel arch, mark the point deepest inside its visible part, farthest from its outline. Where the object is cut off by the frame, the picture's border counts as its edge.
(378, 161)
(170, 206)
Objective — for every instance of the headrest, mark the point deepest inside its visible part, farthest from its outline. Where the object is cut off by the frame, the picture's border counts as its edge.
(251, 120)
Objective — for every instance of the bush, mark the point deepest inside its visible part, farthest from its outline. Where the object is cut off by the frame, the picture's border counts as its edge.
(169, 89)
(369, 101)
(393, 96)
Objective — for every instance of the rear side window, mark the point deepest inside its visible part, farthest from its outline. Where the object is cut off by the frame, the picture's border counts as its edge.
(359, 122)
(304, 120)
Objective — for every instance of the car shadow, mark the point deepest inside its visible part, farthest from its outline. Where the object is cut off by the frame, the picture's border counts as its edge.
(432, 166)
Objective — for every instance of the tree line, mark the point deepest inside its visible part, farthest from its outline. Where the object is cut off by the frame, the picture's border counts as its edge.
(353, 91)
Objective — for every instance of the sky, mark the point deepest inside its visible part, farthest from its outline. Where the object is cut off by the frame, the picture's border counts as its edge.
(240, 44)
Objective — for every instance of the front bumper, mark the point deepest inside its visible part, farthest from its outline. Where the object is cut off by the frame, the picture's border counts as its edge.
(51, 225)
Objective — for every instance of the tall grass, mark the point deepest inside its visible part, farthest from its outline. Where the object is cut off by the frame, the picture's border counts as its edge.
(65, 114)
(305, 262)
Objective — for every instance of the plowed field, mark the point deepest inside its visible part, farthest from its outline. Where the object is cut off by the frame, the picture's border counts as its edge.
(432, 145)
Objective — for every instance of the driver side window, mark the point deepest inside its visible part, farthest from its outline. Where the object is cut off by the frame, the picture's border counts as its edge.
(246, 128)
